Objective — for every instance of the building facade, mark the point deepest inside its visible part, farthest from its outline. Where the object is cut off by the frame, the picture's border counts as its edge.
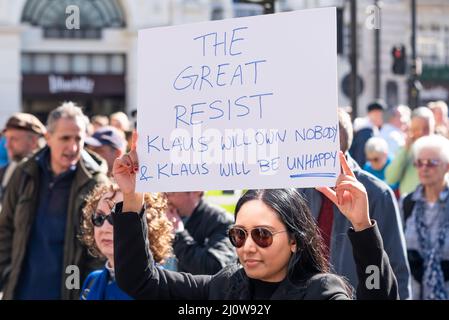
(47, 58)
(393, 20)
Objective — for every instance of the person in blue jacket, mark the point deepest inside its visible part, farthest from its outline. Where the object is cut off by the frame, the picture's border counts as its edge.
(97, 234)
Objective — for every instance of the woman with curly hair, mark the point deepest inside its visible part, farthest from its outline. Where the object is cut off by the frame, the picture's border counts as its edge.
(97, 235)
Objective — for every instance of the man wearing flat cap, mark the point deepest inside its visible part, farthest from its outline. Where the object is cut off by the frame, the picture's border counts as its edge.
(24, 135)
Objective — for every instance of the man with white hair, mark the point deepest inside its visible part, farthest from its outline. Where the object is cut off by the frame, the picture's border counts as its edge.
(401, 169)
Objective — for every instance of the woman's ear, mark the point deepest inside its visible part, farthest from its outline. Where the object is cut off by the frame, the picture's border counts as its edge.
(293, 246)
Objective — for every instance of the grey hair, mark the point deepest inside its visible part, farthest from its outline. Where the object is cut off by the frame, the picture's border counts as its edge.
(68, 110)
(426, 114)
(432, 142)
(376, 145)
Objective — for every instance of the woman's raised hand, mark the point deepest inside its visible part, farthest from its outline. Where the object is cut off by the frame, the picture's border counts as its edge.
(124, 173)
(125, 169)
(350, 197)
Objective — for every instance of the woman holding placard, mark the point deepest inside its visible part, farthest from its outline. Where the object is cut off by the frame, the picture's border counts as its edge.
(277, 242)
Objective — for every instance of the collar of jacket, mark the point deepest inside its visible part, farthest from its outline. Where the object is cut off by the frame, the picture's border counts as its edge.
(88, 165)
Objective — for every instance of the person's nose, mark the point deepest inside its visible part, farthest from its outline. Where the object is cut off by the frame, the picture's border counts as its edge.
(74, 145)
(249, 246)
(107, 227)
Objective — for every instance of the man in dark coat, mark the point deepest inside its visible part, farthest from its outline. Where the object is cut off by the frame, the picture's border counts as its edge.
(40, 254)
(201, 246)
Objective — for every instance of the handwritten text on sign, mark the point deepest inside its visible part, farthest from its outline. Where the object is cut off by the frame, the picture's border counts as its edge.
(239, 103)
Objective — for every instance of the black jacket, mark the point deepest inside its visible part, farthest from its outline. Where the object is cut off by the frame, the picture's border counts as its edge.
(137, 275)
(203, 247)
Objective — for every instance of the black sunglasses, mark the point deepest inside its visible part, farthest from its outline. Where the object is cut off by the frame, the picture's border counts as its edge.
(99, 218)
(262, 236)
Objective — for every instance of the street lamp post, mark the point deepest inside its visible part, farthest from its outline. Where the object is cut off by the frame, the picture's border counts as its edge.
(377, 51)
(413, 82)
(353, 58)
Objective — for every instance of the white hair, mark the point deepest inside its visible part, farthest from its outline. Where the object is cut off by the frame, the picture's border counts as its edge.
(376, 145)
(404, 113)
(122, 118)
(440, 104)
(433, 142)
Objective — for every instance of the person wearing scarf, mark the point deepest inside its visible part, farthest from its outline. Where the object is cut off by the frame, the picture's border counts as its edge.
(427, 228)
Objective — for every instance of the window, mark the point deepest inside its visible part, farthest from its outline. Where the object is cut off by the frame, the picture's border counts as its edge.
(99, 64)
(117, 64)
(80, 64)
(27, 63)
(62, 63)
(67, 63)
(42, 63)
(433, 45)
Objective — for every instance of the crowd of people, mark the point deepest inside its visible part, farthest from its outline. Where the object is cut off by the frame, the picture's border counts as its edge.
(67, 198)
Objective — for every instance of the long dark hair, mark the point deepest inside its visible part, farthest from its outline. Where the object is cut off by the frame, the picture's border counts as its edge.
(292, 209)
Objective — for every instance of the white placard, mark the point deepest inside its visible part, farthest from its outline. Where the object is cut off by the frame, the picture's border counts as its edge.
(239, 103)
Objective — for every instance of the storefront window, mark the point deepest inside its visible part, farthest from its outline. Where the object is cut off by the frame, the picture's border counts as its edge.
(81, 64)
(69, 63)
(99, 64)
(42, 63)
(62, 63)
(27, 63)
(117, 64)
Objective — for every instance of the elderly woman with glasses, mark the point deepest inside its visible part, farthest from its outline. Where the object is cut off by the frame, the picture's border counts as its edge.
(377, 160)
(277, 242)
(98, 235)
(426, 214)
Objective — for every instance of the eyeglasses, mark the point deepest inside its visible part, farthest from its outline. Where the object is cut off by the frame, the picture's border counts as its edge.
(262, 236)
(98, 219)
(428, 163)
(373, 159)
